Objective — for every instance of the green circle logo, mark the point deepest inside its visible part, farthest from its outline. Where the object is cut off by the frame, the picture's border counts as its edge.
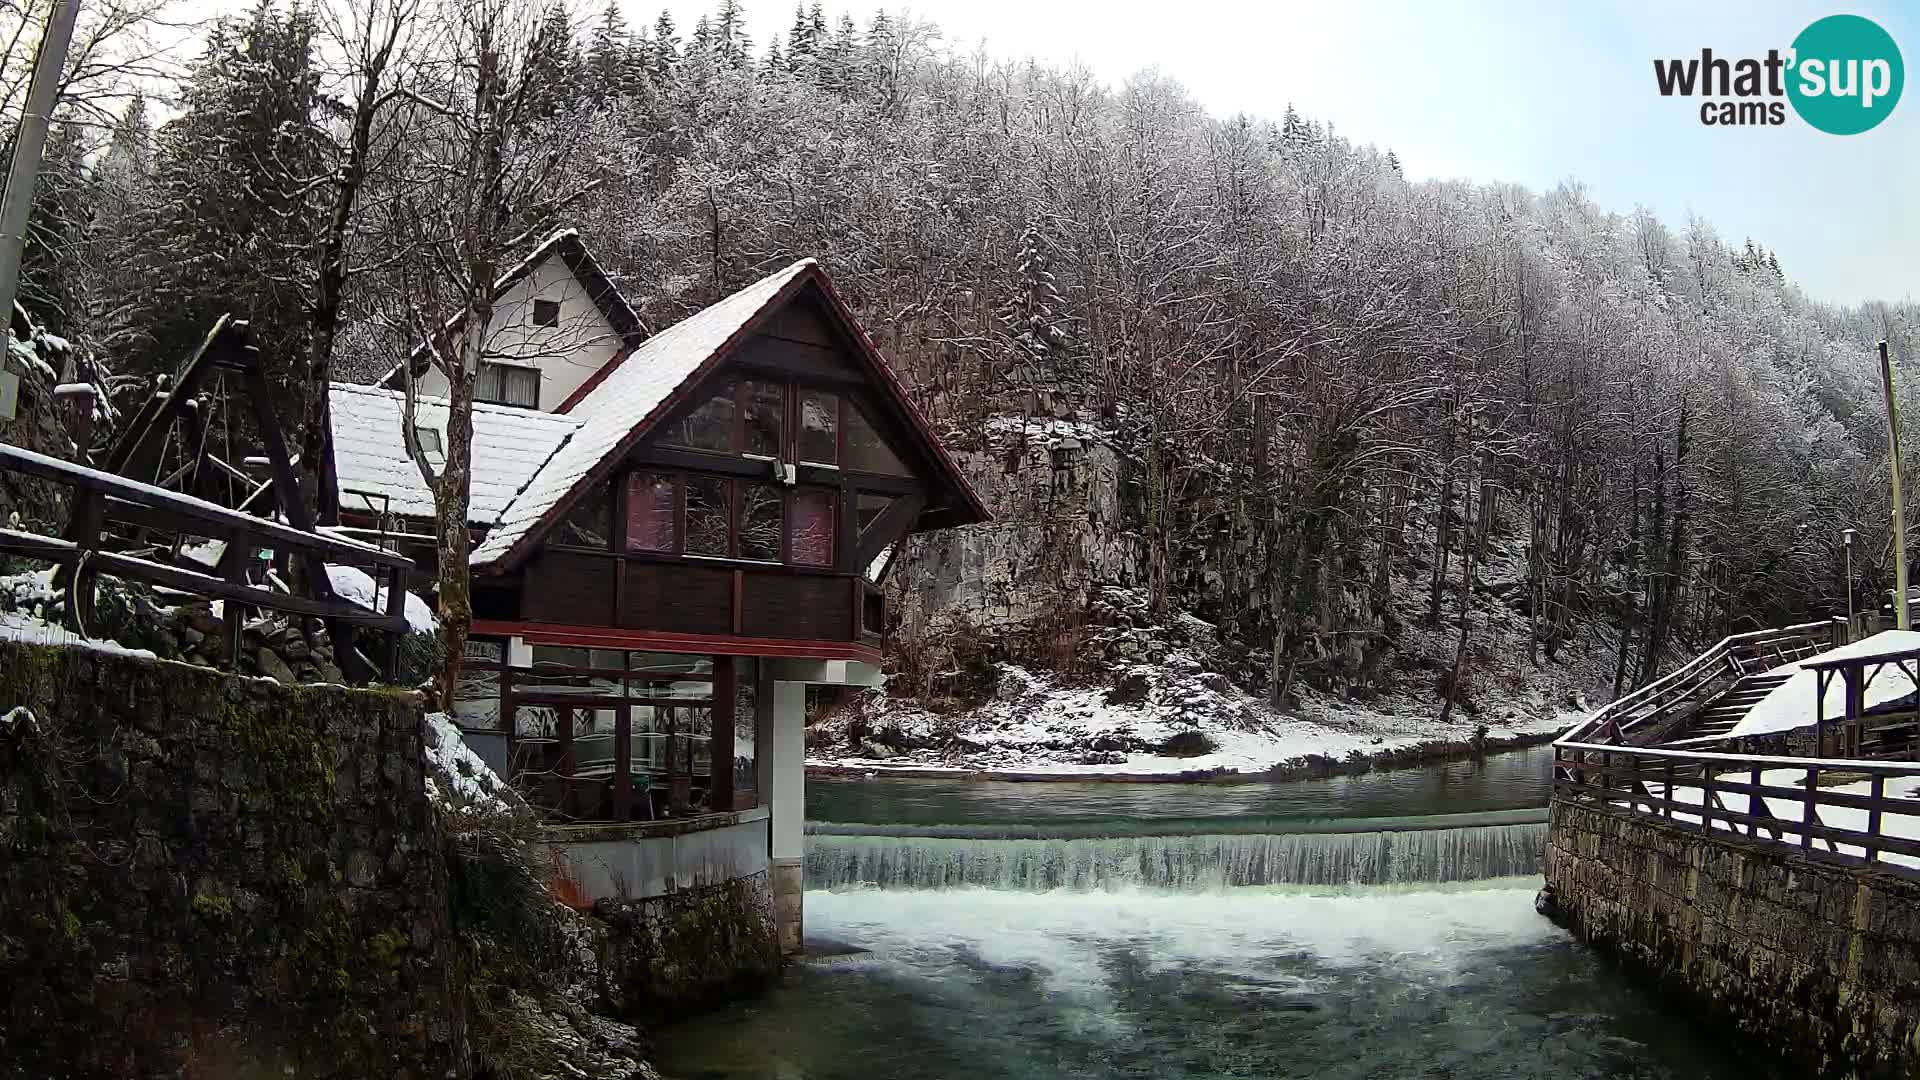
(1846, 76)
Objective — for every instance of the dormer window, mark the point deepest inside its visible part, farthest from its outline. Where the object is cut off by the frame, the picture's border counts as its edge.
(507, 384)
(546, 313)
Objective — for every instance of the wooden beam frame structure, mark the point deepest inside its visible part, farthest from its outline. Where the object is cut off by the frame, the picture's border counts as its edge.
(101, 498)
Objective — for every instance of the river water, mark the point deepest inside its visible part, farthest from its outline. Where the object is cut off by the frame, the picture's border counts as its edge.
(1369, 927)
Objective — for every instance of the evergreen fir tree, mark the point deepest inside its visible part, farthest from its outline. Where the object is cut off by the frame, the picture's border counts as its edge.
(802, 41)
(551, 55)
(836, 58)
(54, 261)
(607, 53)
(1033, 314)
(664, 52)
(730, 41)
(233, 222)
(1295, 134)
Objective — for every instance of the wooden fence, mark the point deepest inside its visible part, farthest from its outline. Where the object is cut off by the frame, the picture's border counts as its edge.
(1860, 813)
(1648, 709)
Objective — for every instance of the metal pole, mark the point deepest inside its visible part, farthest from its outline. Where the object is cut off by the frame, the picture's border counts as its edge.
(1847, 538)
(27, 144)
(1900, 616)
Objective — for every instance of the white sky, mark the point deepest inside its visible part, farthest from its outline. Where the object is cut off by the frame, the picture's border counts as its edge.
(1505, 90)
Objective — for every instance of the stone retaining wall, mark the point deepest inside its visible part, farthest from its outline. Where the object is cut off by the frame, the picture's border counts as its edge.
(1807, 964)
(206, 875)
(689, 949)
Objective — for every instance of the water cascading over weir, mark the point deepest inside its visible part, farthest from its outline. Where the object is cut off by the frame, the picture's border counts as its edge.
(1178, 855)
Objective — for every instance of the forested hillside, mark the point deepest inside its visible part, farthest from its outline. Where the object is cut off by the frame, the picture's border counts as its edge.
(1226, 370)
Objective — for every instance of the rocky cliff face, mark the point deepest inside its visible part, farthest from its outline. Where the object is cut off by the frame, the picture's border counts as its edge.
(1061, 581)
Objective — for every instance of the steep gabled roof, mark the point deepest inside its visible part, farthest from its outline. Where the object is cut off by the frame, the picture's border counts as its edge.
(374, 472)
(585, 268)
(634, 392)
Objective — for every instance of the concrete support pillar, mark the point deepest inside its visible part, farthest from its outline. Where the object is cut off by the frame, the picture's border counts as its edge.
(787, 803)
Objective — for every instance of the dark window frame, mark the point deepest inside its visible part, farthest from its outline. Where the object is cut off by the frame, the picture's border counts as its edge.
(847, 403)
(501, 399)
(544, 313)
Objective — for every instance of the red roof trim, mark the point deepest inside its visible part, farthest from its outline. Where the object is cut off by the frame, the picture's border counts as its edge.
(595, 379)
(607, 637)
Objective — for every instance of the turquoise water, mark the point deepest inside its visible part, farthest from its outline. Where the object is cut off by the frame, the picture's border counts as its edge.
(1519, 778)
(1159, 973)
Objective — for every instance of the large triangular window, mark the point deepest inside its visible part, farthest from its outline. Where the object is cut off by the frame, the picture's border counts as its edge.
(867, 451)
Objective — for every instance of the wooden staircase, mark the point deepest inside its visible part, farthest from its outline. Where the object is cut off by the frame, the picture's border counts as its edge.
(1720, 715)
(1704, 698)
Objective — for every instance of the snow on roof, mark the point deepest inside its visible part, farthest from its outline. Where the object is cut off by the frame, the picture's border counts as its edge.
(625, 401)
(370, 457)
(1791, 704)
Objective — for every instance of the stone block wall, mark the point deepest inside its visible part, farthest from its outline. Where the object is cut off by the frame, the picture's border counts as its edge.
(690, 949)
(1807, 964)
(205, 875)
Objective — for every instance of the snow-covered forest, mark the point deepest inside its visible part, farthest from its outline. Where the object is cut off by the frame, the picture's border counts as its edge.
(1333, 398)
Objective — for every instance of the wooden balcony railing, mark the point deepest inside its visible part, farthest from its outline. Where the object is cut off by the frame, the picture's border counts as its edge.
(1858, 813)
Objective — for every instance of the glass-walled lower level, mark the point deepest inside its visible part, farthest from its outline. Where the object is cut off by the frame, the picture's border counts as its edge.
(599, 735)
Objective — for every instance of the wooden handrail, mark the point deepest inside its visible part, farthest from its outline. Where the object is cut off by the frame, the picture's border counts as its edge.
(1622, 774)
(122, 494)
(100, 497)
(1683, 681)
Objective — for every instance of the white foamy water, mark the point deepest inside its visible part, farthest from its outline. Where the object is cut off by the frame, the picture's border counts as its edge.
(1462, 982)
(1067, 938)
(1178, 862)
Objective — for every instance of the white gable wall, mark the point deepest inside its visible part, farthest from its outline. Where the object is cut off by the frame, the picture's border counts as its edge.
(567, 355)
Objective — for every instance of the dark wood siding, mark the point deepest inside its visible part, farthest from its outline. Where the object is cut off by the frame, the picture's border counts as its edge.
(686, 598)
(777, 605)
(796, 360)
(801, 321)
(562, 587)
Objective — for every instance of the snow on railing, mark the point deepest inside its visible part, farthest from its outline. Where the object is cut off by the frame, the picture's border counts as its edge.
(1623, 714)
(1844, 811)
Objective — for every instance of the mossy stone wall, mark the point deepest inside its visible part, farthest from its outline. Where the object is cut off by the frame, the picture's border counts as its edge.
(206, 875)
(691, 949)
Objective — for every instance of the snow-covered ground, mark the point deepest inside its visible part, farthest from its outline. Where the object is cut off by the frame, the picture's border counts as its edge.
(29, 612)
(1793, 811)
(458, 777)
(1161, 719)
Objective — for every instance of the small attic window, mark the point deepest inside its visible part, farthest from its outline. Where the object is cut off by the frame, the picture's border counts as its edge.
(546, 313)
(428, 440)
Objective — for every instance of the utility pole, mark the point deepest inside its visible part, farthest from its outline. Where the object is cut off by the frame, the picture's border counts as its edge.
(1900, 617)
(1847, 538)
(27, 144)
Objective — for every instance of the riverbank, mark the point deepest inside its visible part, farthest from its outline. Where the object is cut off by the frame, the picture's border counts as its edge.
(1173, 722)
(1306, 767)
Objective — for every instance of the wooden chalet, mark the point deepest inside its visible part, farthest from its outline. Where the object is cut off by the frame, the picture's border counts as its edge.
(667, 555)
